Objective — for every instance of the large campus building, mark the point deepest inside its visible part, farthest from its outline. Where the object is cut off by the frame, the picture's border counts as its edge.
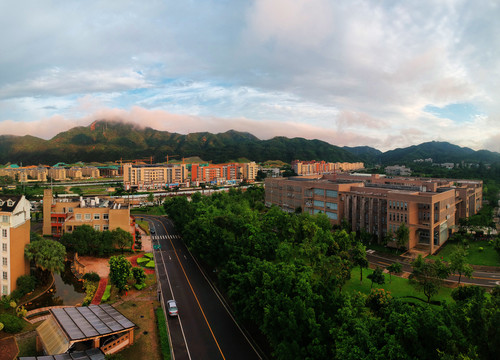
(64, 215)
(15, 234)
(322, 167)
(430, 208)
(154, 176)
(221, 174)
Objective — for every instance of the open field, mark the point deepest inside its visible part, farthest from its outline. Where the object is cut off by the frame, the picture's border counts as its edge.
(488, 256)
(399, 287)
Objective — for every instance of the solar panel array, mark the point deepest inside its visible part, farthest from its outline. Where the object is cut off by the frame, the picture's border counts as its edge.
(92, 354)
(94, 320)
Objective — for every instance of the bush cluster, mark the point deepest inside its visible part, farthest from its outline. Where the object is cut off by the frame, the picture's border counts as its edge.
(12, 324)
(92, 276)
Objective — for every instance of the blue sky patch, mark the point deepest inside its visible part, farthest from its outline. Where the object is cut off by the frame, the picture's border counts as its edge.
(460, 112)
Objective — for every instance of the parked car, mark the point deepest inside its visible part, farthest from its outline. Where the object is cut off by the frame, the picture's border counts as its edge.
(172, 308)
(152, 230)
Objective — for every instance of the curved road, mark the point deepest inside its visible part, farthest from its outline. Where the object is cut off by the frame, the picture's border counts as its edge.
(205, 328)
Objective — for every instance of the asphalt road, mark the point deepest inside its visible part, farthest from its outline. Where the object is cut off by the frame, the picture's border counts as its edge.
(205, 328)
(481, 278)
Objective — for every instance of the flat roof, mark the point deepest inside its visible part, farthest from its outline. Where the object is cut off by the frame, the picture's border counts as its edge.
(90, 321)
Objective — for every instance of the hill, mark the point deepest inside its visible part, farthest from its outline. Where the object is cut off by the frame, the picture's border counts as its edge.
(107, 141)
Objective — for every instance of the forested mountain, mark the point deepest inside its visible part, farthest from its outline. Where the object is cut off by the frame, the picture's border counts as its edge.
(108, 141)
(113, 140)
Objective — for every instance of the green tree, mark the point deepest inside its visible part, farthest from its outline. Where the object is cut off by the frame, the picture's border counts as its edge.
(48, 255)
(428, 277)
(458, 263)
(402, 236)
(394, 268)
(358, 256)
(122, 238)
(377, 277)
(139, 275)
(119, 271)
(151, 198)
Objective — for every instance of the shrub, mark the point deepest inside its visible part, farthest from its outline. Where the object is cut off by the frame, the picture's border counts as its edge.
(90, 289)
(464, 293)
(150, 264)
(139, 275)
(12, 324)
(143, 260)
(149, 255)
(92, 276)
(25, 284)
(107, 294)
(140, 286)
(481, 248)
(378, 299)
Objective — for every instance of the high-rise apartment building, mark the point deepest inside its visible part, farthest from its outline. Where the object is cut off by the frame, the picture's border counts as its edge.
(321, 167)
(430, 208)
(15, 234)
(155, 176)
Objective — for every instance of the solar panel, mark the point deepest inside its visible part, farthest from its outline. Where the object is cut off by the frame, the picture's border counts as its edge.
(106, 318)
(122, 320)
(97, 323)
(68, 324)
(81, 322)
(62, 357)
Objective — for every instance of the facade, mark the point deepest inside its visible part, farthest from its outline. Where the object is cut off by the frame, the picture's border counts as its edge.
(64, 215)
(155, 176)
(321, 167)
(221, 174)
(430, 208)
(15, 234)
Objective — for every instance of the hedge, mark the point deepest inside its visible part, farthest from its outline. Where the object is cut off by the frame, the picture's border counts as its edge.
(143, 260)
(149, 255)
(150, 264)
(140, 286)
(107, 294)
(12, 324)
(163, 333)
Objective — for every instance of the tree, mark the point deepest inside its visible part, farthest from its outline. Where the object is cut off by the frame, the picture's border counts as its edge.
(119, 271)
(428, 277)
(395, 268)
(377, 277)
(48, 255)
(402, 235)
(458, 263)
(358, 255)
(151, 197)
(122, 238)
(139, 275)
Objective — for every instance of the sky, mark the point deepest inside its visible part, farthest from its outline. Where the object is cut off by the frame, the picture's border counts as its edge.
(385, 74)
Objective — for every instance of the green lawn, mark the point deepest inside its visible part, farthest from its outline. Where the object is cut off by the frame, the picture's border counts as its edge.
(487, 257)
(144, 225)
(399, 287)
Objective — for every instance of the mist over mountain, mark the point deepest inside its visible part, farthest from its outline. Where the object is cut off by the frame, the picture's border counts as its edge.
(113, 140)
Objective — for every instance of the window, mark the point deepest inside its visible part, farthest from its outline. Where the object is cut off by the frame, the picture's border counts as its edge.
(5, 275)
(70, 210)
(406, 206)
(319, 203)
(87, 216)
(4, 290)
(5, 218)
(4, 247)
(78, 216)
(4, 232)
(4, 261)
(331, 206)
(10, 203)
(331, 215)
(97, 227)
(319, 192)
(105, 227)
(331, 193)
(105, 216)
(97, 216)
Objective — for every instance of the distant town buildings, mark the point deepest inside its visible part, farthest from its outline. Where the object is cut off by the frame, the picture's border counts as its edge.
(15, 234)
(398, 170)
(321, 167)
(65, 215)
(59, 172)
(430, 208)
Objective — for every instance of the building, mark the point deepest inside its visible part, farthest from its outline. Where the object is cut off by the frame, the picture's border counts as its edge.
(154, 176)
(321, 167)
(84, 328)
(398, 170)
(221, 174)
(15, 234)
(64, 215)
(430, 208)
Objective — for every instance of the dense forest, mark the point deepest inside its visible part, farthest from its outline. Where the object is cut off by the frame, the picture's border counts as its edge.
(284, 275)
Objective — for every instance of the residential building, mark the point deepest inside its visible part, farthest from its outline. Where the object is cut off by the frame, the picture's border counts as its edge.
(64, 215)
(15, 234)
(430, 208)
(321, 167)
(221, 174)
(154, 176)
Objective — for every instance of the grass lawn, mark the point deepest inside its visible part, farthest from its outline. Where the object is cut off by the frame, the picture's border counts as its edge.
(152, 210)
(487, 257)
(27, 345)
(399, 287)
(144, 225)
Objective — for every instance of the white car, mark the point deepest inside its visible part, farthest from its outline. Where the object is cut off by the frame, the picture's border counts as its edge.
(172, 308)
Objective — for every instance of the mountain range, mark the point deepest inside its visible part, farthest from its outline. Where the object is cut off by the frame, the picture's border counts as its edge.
(113, 140)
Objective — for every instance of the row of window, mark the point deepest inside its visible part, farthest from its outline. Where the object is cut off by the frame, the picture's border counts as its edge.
(330, 215)
(398, 217)
(398, 205)
(327, 193)
(329, 205)
(89, 216)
